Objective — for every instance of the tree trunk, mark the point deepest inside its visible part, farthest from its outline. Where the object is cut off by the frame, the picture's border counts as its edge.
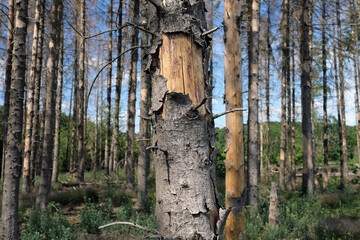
(305, 65)
(324, 68)
(30, 107)
(274, 211)
(82, 117)
(285, 60)
(10, 195)
(119, 71)
(145, 102)
(55, 169)
(293, 149)
(9, 49)
(235, 172)
(183, 140)
(130, 130)
(68, 139)
(253, 122)
(288, 124)
(44, 189)
(357, 70)
(35, 136)
(267, 91)
(108, 163)
(74, 154)
(344, 163)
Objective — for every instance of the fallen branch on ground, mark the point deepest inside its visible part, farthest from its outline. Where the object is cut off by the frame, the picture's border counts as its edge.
(130, 224)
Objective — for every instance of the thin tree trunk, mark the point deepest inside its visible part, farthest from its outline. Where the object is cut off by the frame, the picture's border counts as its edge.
(285, 59)
(30, 107)
(55, 169)
(145, 101)
(10, 196)
(344, 163)
(305, 64)
(9, 49)
(130, 130)
(95, 162)
(82, 117)
(44, 189)
(324, 68)
(114, 156)
(357, 69)
(288, 124)
(35, 136)
(293, 149)
(253, 111)
(183, 137)
(235, 172)
(261, 157)
(108, 163)
(267, 89)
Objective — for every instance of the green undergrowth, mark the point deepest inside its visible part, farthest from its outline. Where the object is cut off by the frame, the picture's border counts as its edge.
(331, 215)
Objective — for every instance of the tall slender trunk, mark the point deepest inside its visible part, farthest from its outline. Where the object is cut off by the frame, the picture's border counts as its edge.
(30, 107)
(324, 68)
(261, 157)
(10, 196)
(253, 112)
(119, 71)
(108, 163)
(344, 163)
(49, 123)
(95, 162)
(267, 90)
(235, 171)
(284, 72)
(60, 77)
(305, 64)
(35, 136)
(183, 129)
(357, 69)
(145, 101)
(130, 130)
(293, 149)
(288, 124)
(82, 117)
(74, 154)
(9, 49)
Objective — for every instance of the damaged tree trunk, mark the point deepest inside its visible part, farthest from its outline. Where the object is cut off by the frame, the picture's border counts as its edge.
(235, 172)
(183, 130)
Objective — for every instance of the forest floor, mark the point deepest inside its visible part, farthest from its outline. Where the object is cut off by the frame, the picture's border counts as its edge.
(76, 212)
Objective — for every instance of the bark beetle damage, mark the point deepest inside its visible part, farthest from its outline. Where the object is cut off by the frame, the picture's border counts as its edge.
(187, 199)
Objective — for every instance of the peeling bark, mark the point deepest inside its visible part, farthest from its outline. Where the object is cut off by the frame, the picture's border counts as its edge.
(184, 137)
(274, 212)
(235, 165)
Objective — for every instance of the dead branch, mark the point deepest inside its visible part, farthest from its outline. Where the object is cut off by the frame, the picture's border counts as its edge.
(113, 60)
(209, 31)
(130, 224)
(229, 111)
(157, 6)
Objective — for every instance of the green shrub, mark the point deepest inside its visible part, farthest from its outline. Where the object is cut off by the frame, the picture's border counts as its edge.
(90, 218)
(49, 224)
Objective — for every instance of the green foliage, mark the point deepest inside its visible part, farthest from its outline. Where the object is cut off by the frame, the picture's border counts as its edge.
(49, 224)
(94, 215)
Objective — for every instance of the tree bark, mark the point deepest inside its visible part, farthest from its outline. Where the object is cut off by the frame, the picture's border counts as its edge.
(10, 196)
(235, 171)
(145, 102)
(324, 69)
(119, 71)
(9, 49)
(253, 112)
(267, 91)
(60, 77)
(35, 136)
(130, 128)
(183, 139)
(82, 116)
(108, 163)
(344, 163)
(30, 107)
(305, 64)
(49, 123)
(285, 60)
